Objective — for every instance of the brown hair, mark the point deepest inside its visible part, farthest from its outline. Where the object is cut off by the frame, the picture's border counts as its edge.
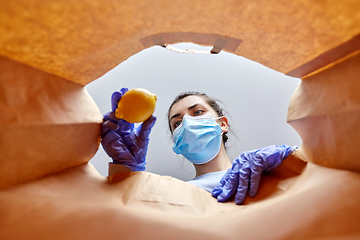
(212, 103)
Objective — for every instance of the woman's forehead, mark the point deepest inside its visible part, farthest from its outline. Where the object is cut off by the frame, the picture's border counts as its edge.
(186, 102)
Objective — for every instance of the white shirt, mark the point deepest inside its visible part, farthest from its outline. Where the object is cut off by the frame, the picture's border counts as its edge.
(208, 181)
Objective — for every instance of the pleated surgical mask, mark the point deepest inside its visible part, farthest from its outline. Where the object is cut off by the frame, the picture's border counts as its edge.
(198, 138)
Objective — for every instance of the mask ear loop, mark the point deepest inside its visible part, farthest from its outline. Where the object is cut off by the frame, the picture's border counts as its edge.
(218, 118)
(219, 124)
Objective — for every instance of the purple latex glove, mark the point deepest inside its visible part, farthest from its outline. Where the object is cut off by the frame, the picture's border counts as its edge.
(245, 173)
(124, 143)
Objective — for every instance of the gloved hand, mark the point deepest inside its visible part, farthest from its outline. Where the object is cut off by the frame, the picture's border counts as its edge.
(245, 173)
(125, 144)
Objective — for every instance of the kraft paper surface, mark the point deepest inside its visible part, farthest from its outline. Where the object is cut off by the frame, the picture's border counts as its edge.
(325, 111)
(80, 41)
(49, 125)
(78, 203)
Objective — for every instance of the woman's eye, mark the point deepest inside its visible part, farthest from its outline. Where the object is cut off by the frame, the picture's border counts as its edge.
(198, 112)
(176, 124)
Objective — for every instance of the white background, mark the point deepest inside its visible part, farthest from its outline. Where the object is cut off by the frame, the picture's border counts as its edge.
(255, 97)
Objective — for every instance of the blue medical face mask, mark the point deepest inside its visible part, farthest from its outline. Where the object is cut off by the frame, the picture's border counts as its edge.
(198, 138)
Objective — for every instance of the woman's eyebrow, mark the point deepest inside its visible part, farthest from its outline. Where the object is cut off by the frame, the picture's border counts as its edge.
(193, 106)
(174, 116)
(189, 108)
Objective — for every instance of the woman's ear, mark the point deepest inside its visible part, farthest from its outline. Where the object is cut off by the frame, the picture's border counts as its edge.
(224, 124)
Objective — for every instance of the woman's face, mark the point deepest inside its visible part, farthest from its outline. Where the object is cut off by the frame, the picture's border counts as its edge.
(192, 106)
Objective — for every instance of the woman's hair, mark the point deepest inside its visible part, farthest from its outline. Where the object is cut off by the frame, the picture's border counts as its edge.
(212, 103)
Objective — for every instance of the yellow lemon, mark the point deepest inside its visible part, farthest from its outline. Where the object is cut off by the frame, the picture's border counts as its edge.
(137, 105)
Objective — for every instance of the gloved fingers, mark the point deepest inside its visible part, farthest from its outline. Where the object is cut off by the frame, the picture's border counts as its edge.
(111, 116)
(109, 139)
(293, 149)
(255, 176)
(256, 169)
(113, 145)
(229, 188)
(139, 155)
(286, 151)
(254, 184)
(115, 98)
(125, 128)
(113, 139)
(218, 189)
(229, 182)
(255, 160)
(128, 137)
(143, 131)
(120, 153)
(110, 125)
(243, 183)
(123, 90)
(135, 168)
(273, 156)
(107, 126)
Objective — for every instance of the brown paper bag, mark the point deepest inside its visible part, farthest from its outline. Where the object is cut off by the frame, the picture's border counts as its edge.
(47, 123)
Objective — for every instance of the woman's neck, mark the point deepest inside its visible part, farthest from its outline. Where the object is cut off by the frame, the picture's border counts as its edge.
(219, 163)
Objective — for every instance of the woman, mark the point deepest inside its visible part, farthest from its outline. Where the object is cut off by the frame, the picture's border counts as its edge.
(199, 130)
